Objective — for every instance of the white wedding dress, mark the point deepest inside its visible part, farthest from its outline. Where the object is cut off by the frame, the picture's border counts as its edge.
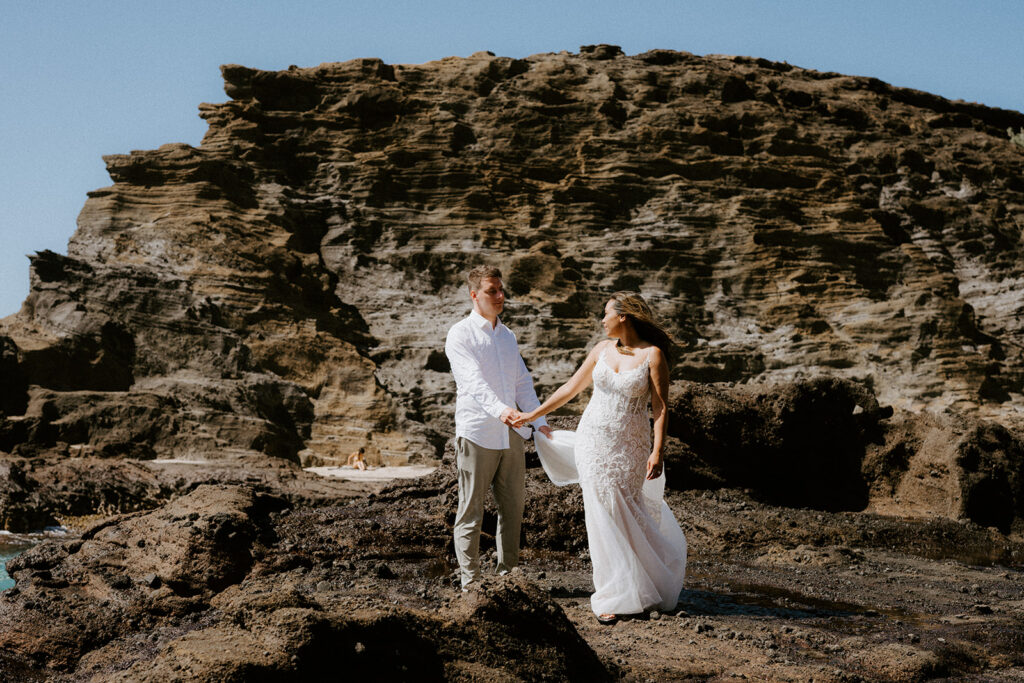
(637, 549)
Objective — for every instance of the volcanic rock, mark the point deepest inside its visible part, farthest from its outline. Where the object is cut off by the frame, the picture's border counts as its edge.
(840, 259)
(36, 493)
(284, 288)
(228, 584)
(65, 487)
(92, 590)
(828, 445)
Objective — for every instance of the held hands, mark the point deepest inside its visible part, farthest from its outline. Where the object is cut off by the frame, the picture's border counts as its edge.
(522, 418)
(654, 466)
(509, 416)
(514, 418)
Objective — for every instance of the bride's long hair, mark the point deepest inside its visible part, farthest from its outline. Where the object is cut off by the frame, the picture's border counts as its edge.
(647, 328)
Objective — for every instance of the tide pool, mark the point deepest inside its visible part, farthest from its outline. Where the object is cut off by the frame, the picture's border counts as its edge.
(7, 552)
(12, 545)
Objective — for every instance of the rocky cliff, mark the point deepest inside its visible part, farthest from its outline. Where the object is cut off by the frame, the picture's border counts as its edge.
(841, 261)
(283, 290)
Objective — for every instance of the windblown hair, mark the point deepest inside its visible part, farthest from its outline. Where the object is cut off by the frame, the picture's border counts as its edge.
(639, 314)
(478, 273)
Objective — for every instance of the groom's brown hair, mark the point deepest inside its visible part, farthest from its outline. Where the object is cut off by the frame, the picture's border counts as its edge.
(479, 273)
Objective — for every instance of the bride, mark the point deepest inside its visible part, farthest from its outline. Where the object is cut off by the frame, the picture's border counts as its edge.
(637, 549)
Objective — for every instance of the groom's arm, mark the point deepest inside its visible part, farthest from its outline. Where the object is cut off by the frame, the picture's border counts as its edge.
(468, 378)
(526, 395)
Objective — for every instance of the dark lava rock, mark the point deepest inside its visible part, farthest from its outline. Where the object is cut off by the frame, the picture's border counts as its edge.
(97, 600)
(251, 586)
(59, 486)
(800, 445)
(231, 591)
(39, 492)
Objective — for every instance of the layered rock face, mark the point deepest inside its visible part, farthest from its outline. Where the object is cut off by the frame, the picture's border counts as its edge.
(285, 288)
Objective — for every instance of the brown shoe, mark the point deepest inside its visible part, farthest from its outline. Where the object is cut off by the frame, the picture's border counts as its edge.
(607, 619)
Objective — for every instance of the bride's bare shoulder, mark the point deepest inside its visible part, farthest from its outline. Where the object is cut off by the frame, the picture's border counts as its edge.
(599, 348)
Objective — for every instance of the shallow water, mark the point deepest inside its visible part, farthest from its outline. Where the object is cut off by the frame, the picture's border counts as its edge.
(12, 545)
(9, 549)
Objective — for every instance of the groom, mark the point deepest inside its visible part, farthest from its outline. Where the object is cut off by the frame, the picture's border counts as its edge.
(491, 381)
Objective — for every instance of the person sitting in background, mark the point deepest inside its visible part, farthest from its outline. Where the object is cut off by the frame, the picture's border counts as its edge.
(356, 459)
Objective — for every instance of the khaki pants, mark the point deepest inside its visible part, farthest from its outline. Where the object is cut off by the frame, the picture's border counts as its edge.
(504, 472)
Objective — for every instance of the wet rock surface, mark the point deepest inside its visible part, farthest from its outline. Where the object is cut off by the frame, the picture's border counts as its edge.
(227, 584)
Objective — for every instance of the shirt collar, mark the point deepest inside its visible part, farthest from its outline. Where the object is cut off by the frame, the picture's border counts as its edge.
(483, 322)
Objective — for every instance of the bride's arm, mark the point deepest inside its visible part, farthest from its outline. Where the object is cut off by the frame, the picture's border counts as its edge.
(565, 393)
(659, 411)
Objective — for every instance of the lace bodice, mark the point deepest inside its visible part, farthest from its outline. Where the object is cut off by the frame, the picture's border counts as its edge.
(613, 440)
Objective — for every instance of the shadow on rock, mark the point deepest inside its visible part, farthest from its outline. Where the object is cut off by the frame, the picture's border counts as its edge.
(799, 445)
(826, 444)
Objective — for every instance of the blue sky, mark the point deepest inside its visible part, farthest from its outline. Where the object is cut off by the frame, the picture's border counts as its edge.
(82, 79)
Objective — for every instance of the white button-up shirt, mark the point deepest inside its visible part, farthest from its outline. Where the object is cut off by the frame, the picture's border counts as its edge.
(490, 376)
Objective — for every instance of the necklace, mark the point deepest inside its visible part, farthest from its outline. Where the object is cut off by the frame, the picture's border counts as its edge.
(622, 348)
